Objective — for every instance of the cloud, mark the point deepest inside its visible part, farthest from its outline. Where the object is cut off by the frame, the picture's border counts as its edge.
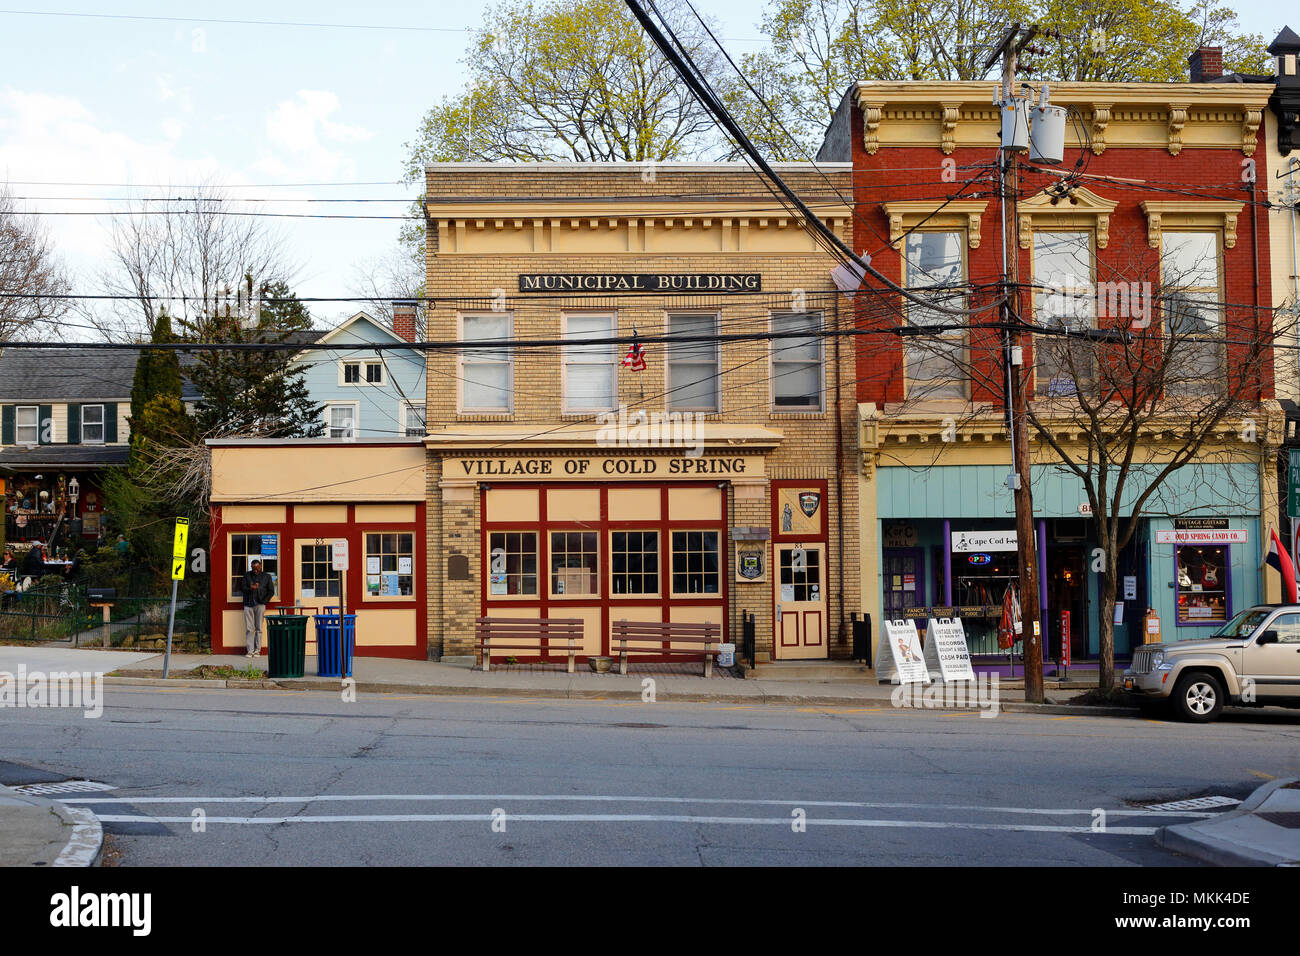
(304, 142)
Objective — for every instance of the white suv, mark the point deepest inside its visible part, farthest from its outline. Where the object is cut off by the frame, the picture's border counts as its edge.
(1253, 660)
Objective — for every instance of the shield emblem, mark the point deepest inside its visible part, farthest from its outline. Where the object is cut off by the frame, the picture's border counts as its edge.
(809, 502)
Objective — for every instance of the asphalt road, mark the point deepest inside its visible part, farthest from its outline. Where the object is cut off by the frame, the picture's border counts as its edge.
(217, 777)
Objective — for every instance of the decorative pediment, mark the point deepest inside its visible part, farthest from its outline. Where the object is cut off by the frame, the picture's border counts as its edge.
(1198, 213)
(1077, 208)
(960, 214)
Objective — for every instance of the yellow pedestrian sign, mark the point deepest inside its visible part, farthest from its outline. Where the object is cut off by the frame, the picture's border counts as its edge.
(179, 548)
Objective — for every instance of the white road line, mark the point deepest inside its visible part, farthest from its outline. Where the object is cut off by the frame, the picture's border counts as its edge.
(633, 818)
(502, 798)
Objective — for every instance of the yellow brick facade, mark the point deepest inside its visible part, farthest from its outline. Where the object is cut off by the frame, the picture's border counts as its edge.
(487, 225)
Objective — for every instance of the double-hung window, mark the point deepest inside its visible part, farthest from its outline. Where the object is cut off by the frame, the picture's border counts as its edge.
(797, 362)
(1064, 302)
(935, 268)
(486, 374)
(341, 420)
(27, 425)
(590, 370)
(693, 373)
(1193, 312)
(413, 419)
(92, 424)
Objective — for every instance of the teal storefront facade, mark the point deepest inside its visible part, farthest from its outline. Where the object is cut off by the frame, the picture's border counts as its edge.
(946, 546)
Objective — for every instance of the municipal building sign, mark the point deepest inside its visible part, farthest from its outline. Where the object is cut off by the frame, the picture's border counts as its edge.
(641, 282)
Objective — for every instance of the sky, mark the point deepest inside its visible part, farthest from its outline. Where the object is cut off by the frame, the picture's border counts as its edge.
(142, 95)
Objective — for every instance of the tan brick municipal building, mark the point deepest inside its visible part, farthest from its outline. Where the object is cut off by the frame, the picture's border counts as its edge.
(593, 449)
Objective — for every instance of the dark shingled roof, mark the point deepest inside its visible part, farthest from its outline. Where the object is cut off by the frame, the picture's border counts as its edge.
(63, 456)
(74, 375)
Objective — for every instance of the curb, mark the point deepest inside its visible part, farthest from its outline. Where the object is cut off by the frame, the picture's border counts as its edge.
(1190, 840)
(86, 845)
(443, 690)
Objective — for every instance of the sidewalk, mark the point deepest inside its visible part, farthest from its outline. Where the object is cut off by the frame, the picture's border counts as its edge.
(1263, 831)
(41, 832)
(672, 681)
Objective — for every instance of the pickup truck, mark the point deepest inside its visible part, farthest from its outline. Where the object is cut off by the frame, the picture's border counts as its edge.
(1252, 661)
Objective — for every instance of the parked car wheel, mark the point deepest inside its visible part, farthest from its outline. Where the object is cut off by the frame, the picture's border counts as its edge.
(1198, 697)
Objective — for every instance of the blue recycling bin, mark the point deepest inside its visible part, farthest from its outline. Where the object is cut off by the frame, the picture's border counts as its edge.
(334, 649)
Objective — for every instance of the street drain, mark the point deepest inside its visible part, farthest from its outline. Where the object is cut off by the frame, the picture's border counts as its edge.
(68, 786)
(1196, 803)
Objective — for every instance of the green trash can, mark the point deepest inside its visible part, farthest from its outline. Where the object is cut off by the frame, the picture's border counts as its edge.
(286, 644)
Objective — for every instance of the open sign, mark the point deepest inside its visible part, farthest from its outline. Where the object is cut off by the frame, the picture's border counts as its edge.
(980, 559)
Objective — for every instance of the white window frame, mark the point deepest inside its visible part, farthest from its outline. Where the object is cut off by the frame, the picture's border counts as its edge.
(464, 361)
(676, 406)
(820, 363)
(85, 439)
(407, 406)
(1217, 291)
(956, 389)
(1086, 294)
(35, 426)
(614, 359)
(363, 367)
(329, 419)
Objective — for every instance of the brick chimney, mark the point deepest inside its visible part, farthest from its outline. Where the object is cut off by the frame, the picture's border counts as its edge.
(1206, 64)
(404, 319)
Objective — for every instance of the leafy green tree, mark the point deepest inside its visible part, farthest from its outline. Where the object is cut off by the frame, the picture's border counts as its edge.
(569, 80)
(143, 498)
(257, 393)
(819, 48)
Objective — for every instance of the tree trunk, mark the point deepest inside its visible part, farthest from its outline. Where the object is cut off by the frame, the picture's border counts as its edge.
(1107, 629)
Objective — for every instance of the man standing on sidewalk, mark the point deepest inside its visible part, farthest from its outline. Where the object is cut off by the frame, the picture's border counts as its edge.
(258, 588)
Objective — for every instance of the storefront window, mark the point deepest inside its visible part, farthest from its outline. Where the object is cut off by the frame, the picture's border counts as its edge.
(1202, 584)
(575, 563)
(695, 562)
(390, 564)
(634, 562)
(247, 548)
(318, 578)
(512, 567)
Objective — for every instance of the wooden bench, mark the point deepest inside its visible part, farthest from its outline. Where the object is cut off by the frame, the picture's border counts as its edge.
(705, 636)
(498, 634)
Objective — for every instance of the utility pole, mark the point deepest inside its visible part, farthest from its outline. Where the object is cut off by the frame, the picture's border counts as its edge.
(1013, 40)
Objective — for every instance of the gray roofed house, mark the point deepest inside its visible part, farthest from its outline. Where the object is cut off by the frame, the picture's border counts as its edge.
(63, 421)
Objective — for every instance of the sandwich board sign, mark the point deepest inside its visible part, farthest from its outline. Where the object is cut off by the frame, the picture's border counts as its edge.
(900, 660)
(946, 650)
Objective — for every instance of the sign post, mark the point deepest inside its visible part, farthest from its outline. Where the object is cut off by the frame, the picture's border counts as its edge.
(180, 542)
(339, 553)
(1293, 499)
